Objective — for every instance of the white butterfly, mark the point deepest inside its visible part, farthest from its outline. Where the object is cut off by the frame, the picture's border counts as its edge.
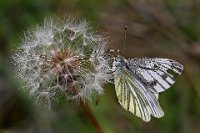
(138, 82)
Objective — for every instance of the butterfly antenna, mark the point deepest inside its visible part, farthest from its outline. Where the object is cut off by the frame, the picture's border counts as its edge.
(126, 29)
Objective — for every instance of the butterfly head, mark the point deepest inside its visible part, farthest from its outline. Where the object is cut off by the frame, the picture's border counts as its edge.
(119, 63)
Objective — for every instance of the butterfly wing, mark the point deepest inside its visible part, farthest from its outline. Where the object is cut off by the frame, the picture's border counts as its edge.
(139, 82)
(134, 97)
(154, 73)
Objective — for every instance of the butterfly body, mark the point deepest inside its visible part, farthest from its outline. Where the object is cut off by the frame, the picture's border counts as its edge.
(138, 82)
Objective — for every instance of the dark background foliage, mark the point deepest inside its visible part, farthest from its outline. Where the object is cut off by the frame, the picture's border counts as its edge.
(159, 28)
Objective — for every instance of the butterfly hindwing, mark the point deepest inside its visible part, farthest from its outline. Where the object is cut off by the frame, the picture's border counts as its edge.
(151, 99)
(128, 97)
(134, 98)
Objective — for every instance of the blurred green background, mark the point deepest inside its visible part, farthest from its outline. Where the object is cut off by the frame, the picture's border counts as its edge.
(156, 28)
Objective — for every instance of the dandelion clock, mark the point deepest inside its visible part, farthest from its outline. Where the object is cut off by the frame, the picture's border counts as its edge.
(62, 58)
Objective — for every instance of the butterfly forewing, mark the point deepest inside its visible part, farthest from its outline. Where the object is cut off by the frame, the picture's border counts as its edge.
(154, 72)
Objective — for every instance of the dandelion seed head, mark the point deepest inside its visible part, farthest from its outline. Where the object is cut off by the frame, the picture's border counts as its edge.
(62, 58)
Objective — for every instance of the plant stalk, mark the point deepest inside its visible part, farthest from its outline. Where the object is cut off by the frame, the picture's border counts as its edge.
(88, 112)
(91, 116)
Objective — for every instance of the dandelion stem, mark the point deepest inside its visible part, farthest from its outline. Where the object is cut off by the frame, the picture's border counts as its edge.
(88, 112)
(91, 116)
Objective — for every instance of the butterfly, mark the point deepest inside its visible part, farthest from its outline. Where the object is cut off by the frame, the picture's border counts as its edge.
(138, 82)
